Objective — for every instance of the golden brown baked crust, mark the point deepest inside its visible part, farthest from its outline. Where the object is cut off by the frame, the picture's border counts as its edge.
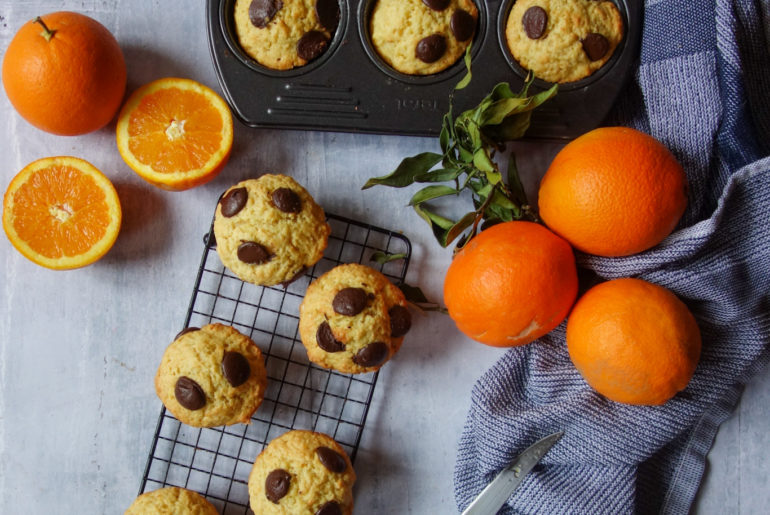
(299, 472)
(398, 28)
(563, 40)
(169, 500)
(228, 389)
(286, 234)
(365, 332)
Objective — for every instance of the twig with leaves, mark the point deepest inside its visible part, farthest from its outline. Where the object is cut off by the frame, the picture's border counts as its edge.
(469, 144)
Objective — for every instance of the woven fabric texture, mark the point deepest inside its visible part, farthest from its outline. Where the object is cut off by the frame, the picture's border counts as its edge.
(701, 88)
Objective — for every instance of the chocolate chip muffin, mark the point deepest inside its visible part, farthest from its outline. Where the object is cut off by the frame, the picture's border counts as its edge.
(284, 34)
(302, 472)
(353, 319)
(169, 500)
(421, 37)
(563, 40)
(211, 376)
(269, 230)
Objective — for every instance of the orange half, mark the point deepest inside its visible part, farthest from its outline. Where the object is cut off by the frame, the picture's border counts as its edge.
(175, 133)
(61, 213)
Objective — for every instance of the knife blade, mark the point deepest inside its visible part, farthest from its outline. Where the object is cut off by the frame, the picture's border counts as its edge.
(492, 498)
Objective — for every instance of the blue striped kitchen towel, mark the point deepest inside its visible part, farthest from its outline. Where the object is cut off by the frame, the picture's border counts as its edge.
(702, 89)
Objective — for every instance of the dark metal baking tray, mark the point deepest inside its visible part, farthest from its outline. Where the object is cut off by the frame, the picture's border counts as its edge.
(350, 89)
(300, 395)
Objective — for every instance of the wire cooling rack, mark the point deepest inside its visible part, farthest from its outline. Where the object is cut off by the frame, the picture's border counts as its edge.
(216, 462)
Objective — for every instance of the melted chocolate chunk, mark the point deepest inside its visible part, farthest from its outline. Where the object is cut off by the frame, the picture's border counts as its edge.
(400, 321)
(235, 368)
(253, 253)
(436, 5)
(371, 355)
(329, 508)
(287, 200)
(185, 331)
(350, 301)
(262, 11)
(277, 485)
(462, 25)
(326, 340)
(534, 21)
(430, 48)
(595, 46)
(189, 394)
(331, 459)
(328, 13)
(312, 44)
(233, 201)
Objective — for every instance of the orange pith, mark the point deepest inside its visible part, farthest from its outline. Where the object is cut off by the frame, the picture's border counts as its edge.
(175, 133)
(61, 213)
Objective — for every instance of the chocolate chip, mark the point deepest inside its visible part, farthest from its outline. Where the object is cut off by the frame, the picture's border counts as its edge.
(328, 13)
(253, 253)
(326, 340)
(287, 200)
(277, 485)
(350, 301)
(329, 508)
(431, 48)
(262, 11)
(436, 5)
(235, 368)
(462, 25)
(311, 45)
(331, 459)
(233, 201)
(189, 394)
(371, 355)
(595, 46)
(188, 330)
(534, 21)
(400, 321)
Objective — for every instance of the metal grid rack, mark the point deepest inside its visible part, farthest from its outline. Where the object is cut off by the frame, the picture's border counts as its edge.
(300, 395)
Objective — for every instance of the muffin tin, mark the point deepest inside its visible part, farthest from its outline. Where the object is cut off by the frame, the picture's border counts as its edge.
(351, 89)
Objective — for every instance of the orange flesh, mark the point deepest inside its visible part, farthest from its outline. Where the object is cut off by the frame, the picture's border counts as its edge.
(174, 130)
(59, 211)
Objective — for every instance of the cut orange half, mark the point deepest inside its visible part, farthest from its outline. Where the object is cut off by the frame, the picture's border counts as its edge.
(61, 212)
(175, 133)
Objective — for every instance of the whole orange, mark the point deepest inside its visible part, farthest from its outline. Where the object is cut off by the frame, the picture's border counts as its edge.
(512, 283)
(633, 341)
(65, 73)
(613, 191)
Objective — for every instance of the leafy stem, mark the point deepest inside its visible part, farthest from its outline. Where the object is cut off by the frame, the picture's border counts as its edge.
(469, 143)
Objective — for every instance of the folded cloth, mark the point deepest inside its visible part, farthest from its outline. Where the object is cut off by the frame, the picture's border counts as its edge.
(700, 88)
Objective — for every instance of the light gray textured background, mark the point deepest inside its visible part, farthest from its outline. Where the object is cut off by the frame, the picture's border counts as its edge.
(80, 348)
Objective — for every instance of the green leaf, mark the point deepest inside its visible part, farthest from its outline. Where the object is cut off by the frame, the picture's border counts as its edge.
(439, 175)
(431, 192)
(406, 171)
(467, 78)
(458, 228)
(417, 298)
(514, 182)
(381, 258)
(482, 162)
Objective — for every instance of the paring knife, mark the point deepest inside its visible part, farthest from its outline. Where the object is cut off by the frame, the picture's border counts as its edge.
(492, 498)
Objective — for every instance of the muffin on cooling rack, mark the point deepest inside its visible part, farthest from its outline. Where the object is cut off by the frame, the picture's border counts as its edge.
(353, 319)
(211, 376)
(269, 230)
(421, 37)
(171, 499)
(563, 40)
(302, 472)
(283, 34)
